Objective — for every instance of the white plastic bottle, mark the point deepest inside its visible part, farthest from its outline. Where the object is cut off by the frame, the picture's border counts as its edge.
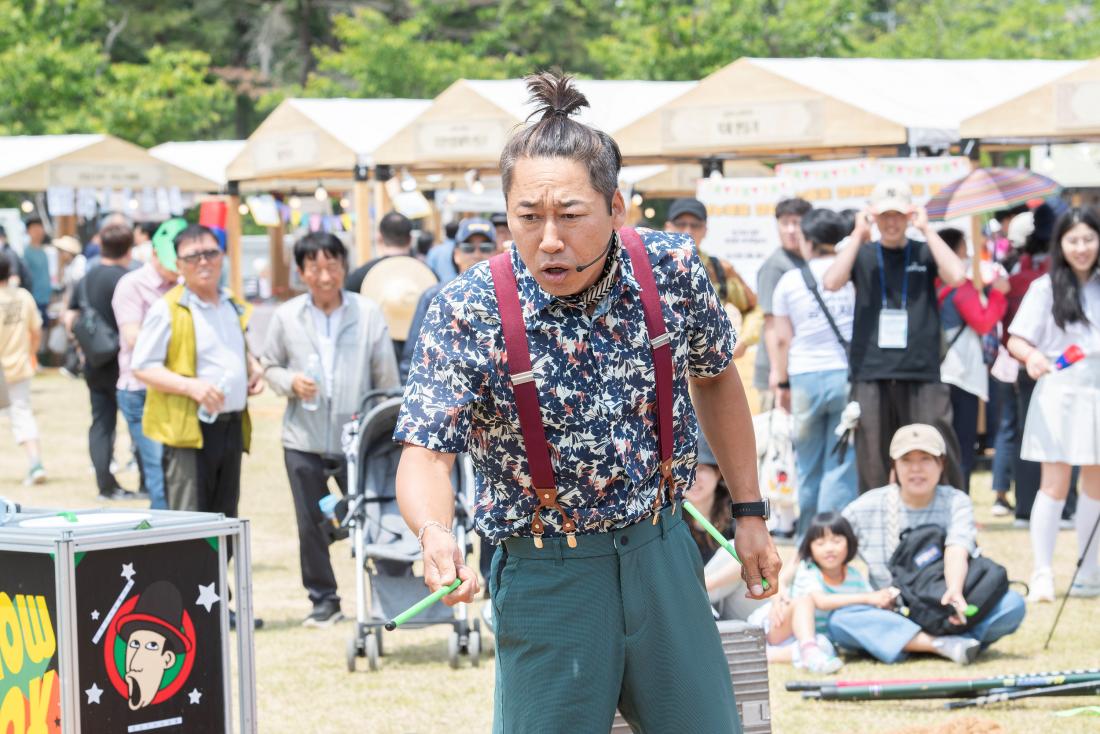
(313, 372)
(205, 415)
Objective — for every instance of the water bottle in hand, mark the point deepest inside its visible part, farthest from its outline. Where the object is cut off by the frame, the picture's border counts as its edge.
(313, 372)
(205, 415)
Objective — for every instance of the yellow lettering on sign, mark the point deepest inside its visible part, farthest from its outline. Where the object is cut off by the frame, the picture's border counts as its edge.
(11, 641)
(42, 694)
(38, 636)
(13, 713)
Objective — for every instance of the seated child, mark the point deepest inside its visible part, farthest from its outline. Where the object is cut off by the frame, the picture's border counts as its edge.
(823, 581)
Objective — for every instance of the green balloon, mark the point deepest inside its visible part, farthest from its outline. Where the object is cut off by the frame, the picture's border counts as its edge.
(164, 244)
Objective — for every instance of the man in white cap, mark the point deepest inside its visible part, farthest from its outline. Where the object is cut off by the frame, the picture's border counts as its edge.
(896, 337)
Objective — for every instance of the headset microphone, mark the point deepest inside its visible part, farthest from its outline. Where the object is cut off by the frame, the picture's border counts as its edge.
(610, 242)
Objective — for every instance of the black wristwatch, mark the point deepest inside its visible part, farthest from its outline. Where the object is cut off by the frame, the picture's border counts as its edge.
(762, 509)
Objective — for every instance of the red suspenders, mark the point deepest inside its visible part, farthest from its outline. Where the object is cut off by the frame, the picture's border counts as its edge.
(518, 358)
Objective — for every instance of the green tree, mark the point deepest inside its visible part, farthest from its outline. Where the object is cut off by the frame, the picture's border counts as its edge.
(170, 97)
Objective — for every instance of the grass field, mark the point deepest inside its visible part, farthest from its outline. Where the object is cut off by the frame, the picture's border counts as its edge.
(303, 686)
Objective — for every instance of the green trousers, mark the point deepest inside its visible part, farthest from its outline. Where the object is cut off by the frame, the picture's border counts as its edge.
(622, 620)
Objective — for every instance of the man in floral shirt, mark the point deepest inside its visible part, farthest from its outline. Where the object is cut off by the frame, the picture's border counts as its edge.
(598, 598)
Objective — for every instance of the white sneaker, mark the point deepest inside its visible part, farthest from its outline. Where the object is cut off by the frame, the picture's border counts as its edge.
(1086, 586)
(1041, 588)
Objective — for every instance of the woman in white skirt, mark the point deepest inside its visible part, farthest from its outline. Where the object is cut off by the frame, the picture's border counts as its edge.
(1061, 310)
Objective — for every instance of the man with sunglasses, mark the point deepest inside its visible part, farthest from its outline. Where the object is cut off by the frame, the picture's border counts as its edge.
(191, 352)
(475, 241)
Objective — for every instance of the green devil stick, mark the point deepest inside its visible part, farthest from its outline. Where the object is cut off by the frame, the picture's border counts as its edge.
(421, 605)
(713, 531)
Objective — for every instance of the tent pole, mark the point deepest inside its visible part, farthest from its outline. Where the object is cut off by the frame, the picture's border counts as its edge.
(233, 239)
(280, 273)
(361, 202)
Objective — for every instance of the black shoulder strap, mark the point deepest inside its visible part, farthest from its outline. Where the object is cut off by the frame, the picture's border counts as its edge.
(719, 272)
(811, 284)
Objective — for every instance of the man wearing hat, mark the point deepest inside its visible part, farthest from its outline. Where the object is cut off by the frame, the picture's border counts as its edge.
(689, 216)
(134, 295)
(475, 241)
(894, 361)
(878, 517)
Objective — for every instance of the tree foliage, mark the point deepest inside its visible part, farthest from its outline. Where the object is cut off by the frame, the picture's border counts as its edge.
(150, 71)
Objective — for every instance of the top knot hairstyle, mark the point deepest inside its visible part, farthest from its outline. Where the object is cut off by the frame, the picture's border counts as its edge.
(555, 134)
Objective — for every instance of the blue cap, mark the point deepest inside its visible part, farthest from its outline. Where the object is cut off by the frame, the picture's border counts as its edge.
(469, 227)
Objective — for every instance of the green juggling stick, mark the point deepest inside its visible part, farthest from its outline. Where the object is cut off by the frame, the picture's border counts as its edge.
(421, 605)
(713, 531)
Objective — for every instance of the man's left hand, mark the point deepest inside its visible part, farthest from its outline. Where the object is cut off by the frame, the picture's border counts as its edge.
(759, 559)
(956, 600)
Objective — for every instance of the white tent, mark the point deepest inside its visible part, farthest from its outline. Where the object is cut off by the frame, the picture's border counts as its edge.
(206, 158)
(39, 162)
(467, 125)
(802, 106)
(320, 138)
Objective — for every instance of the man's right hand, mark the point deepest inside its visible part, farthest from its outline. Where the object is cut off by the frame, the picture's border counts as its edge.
(442, 560)
(862, 231)
(207, 395)
(304, 388)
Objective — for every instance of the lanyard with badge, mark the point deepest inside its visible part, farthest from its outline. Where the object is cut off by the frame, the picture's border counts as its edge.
(893, 323)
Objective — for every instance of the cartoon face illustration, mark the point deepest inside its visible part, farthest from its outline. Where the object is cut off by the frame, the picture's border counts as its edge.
(150, 652)
(148, 655)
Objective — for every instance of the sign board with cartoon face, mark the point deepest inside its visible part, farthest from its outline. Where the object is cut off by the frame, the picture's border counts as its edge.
(30, 690)
(149, 638)
(116, 622)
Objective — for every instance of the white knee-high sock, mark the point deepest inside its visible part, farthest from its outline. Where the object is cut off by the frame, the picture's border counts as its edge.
(1046, 513)
(1088, 510)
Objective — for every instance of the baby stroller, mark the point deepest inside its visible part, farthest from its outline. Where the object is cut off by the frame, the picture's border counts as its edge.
(383, 546)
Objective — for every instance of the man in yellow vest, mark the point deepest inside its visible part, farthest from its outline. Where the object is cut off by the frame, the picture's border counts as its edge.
(192, 354)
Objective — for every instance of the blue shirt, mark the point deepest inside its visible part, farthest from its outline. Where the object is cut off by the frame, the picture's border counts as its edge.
(39, 266)
(596, 388)
(441, 260)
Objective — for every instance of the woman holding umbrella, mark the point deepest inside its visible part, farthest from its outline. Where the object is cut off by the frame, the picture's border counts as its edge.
(1060, 316)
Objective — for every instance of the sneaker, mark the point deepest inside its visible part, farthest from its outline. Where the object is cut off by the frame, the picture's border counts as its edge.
(69, 373)
(962, 650)
(1067, 523)
(1002, 507)
(117, 493)
(817, 661)
(36, 475)
(1021, 523)
(324, 614)
(1041, 588)
(1086, 586)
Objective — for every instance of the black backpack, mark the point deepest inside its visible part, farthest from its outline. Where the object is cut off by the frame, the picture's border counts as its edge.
(96, 337)
(917, 567)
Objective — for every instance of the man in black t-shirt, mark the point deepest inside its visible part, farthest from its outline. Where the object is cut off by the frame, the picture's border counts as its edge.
(896, 336)
(95, 292)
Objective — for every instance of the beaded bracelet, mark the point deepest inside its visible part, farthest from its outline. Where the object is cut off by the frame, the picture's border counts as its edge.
(424, 528)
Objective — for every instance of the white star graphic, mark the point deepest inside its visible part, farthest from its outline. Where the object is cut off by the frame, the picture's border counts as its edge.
(207, 596)
(127, 571)
(194, 695)
(95, 615)
(94, 693)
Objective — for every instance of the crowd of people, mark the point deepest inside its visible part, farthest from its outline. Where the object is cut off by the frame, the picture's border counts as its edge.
(870, 313)
(896, 326)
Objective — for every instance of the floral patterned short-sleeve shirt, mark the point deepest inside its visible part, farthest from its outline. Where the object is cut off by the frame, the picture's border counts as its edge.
(595, 382)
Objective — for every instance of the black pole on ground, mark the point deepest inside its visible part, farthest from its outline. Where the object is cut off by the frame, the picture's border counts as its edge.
(1081, 560)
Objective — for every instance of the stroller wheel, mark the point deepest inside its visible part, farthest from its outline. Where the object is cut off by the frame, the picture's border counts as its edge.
(353, 652)
(453, 650)
(371, 645)
(474, 648)
(378, 639)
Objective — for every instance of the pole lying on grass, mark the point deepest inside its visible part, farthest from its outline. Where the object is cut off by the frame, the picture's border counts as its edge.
(813, 685)
(947, 689)
(1072, 689)
(421, 605)
(714, 533)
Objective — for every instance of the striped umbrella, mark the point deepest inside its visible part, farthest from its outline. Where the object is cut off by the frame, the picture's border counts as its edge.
(989, 189)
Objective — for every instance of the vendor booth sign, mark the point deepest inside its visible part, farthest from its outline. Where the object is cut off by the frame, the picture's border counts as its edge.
(741, 220)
